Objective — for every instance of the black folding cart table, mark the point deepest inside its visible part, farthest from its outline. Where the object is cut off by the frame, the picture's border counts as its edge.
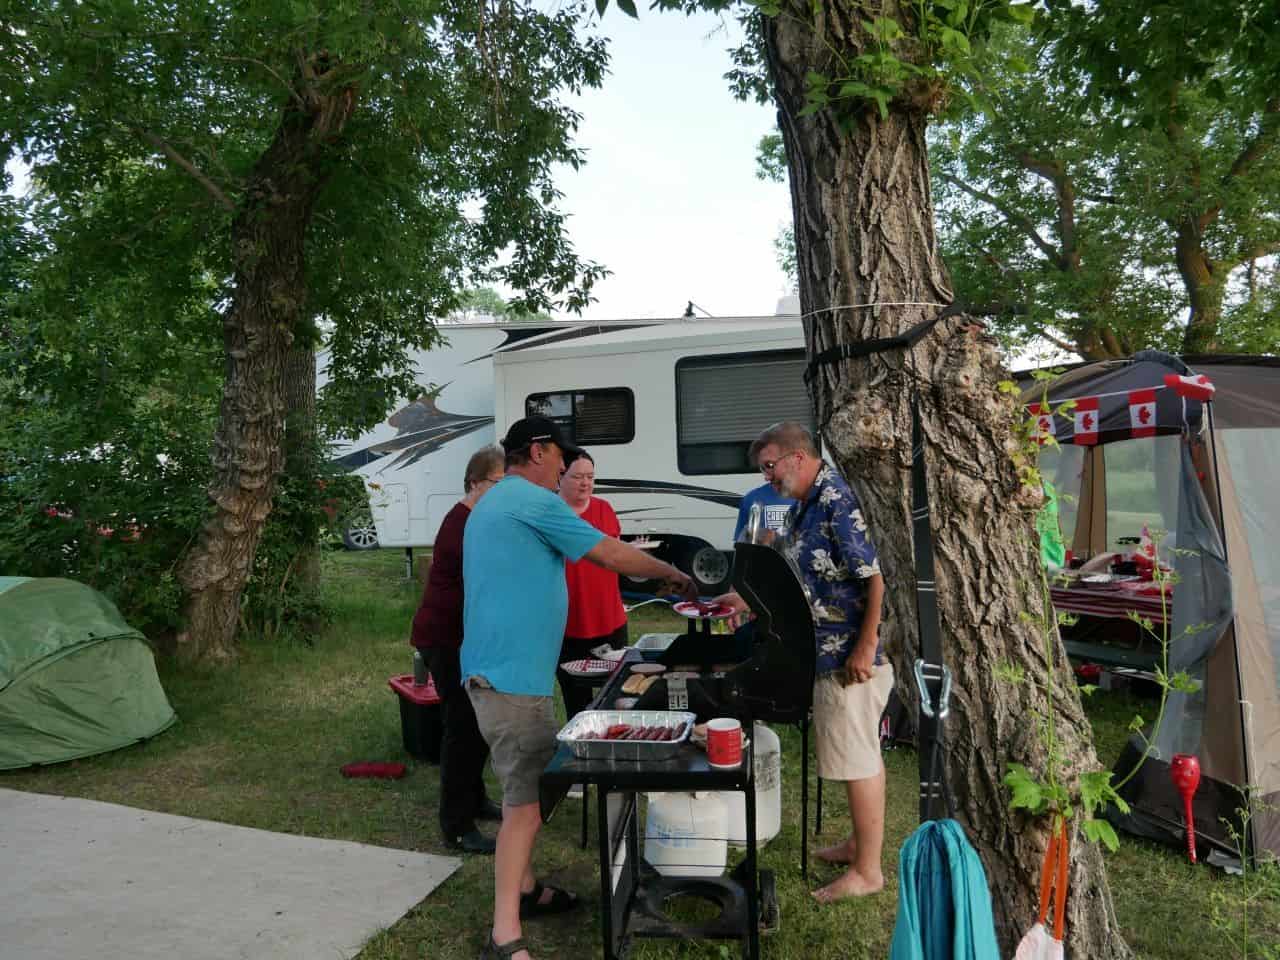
(774, 684)
(633, 894)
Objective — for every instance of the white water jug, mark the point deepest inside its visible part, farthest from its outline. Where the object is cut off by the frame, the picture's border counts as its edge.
(767, 750)
(684, 834)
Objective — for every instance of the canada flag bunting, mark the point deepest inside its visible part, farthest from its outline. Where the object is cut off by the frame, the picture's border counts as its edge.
(1142, 413)
(1044, 427)
(1086, 421)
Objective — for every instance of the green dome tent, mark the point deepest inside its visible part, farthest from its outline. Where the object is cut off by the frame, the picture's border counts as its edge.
(75, 679)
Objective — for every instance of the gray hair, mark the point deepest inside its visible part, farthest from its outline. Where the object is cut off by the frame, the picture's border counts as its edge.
(788, 436)
(482, 463)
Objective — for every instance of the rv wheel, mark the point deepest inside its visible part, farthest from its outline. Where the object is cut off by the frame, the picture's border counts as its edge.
(709, 568)
(360, 533)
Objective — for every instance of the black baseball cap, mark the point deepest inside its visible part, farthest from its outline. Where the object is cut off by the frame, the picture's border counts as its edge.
(539, 430)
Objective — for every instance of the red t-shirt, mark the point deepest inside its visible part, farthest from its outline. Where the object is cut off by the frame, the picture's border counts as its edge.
(595, 601)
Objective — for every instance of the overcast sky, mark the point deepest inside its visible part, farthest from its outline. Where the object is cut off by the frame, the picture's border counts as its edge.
(668, 199)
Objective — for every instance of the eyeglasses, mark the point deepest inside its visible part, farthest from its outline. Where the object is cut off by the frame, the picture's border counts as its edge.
(767, 466)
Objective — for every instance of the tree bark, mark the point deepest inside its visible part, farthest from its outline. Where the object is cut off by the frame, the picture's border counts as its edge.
(865, 235)
(268, 304)
(300, 448)
(1204, 286)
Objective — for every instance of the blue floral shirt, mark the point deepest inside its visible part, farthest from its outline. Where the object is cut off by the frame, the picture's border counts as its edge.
(829, 543)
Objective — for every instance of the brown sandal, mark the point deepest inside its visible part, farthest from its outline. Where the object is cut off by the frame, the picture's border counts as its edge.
(502, 951)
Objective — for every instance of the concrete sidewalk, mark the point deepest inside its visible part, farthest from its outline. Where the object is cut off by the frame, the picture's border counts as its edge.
(82, 880)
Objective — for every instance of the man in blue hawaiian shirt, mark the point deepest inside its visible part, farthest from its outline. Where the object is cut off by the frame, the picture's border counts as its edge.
(829, 544)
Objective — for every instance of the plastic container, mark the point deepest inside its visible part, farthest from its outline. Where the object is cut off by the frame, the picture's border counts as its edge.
(768, 770)
(684, 834)
(658, 642)
(420, 716)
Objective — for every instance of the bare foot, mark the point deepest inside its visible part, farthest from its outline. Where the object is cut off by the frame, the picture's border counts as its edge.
(838, 853)
(850, 884)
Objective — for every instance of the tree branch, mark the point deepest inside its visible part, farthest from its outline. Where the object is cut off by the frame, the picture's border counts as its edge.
(297, 97)
(1060, 344)
(1016, 219)
(1257, 252)
(1064, 190)
(180, 161)
(1260, 145)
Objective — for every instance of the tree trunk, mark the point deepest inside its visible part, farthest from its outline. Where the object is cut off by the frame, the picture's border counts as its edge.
(300, 448)
(268, 304)
(1203, 285)
(865, 235)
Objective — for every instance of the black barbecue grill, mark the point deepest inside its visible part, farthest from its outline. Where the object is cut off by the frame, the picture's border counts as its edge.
(772, 683)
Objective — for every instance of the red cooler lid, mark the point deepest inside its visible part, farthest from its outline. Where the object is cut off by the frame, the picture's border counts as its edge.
(420, 693)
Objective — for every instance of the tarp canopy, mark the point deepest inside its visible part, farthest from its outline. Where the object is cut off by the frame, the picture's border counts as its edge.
(75, 679)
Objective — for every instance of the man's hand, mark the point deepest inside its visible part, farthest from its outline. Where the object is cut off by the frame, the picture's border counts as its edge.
(732, 599)
(677, 581)
(861, 664)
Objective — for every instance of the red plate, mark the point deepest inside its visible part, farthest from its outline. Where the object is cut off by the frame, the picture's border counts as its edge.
(703, 611)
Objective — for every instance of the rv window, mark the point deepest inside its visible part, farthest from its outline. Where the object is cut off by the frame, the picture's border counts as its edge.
(591, 417)
(722, 404)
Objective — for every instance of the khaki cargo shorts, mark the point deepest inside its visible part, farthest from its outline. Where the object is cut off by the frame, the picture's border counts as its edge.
(521, 733)
(846, 721)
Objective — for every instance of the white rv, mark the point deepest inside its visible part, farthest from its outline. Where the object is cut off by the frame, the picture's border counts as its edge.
(667, 409)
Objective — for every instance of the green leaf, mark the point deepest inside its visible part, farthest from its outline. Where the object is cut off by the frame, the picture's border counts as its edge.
(1095, 789)
(1099, 831)
(628, 7)
(1027, 792)
(601, 7)
(1024, 13)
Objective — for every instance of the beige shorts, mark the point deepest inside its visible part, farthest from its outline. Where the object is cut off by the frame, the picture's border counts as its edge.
(521, 734)
(846, 721)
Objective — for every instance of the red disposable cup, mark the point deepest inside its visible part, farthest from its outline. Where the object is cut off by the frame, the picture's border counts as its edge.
(724, 742)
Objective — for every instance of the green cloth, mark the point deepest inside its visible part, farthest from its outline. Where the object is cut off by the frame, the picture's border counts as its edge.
(944, 903)
(1053, 552)
(75, 679)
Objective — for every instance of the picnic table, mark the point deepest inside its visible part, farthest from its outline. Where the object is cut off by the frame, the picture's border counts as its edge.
(1097, 636)
(1114, 599)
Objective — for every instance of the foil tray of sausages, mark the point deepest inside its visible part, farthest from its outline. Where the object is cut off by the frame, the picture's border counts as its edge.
(627, 734)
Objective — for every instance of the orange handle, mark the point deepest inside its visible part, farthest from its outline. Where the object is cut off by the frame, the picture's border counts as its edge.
(1046, 875)
(1060, 893)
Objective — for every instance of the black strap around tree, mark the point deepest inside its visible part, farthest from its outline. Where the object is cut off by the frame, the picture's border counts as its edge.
(931, 676)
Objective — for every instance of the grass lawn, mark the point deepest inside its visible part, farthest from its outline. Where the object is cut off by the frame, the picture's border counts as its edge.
(260, 744)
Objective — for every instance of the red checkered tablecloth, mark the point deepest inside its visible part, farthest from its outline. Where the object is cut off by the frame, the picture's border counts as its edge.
(1114, 600)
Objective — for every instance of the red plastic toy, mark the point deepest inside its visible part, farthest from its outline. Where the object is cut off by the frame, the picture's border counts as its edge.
(1185, 773)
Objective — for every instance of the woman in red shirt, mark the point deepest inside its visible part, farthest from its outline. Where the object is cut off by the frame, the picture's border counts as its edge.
(437, 632)
(596, 615)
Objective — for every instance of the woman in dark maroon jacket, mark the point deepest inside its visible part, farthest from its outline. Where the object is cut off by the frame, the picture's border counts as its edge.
(437, 632)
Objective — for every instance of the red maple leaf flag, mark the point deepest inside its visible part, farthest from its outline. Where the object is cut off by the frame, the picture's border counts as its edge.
(1043, 427)
(1196, 387)
(1086, 418)
(1142, 413)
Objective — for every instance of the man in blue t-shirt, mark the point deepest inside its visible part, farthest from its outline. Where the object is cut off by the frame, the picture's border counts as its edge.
(773, 505)
(515, 603)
